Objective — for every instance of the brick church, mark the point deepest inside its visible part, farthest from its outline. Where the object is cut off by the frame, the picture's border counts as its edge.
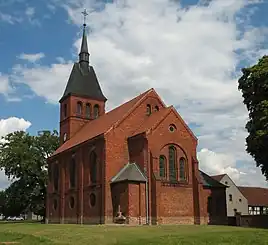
(135, 164)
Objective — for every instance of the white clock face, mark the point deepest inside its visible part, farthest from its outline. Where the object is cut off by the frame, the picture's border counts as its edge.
(64, 137)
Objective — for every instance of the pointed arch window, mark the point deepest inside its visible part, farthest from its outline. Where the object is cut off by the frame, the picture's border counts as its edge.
(93, 167)
(96, 111)
(88, 110)
(148, 110)
(56, 176)
(162, 166)
(72, 172)
(172, 163)
(182, 168)
(79, 108)
(65, 110)
(156, 108)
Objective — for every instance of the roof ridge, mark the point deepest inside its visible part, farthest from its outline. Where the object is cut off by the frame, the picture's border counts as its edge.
(142, 96)
(168, 110)
(184, 123)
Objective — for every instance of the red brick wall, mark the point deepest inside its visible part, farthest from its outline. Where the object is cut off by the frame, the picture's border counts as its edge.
(73, 122)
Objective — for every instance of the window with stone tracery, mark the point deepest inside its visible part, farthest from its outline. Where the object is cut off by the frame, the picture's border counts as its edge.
(72, 172)
(172, 163)
(162, 166)
(182, 168)
(93, 167)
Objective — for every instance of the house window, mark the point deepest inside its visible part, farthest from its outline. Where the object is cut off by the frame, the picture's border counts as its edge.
(182, 169)
(93, 167)
(172, 128)
(71, 202)
(96, 111)
(162, 166)
(209, 205)
(64, 137)
(92, 199)
(240, 200)
(79, 108)
(72, 172)
(156, 108)
(172, 163)
(88, 109)
(65, 110)
(55, 204)
(56, 176)
(226, 183)
(265, 210)
(230, 198)
(148, 110)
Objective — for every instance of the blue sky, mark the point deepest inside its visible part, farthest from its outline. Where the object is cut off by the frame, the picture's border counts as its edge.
(193, 64)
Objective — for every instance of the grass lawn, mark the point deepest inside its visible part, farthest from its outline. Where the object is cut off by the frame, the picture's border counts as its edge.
(31, 233)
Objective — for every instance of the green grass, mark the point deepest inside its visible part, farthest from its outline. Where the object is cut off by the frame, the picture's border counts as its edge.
(29, 234)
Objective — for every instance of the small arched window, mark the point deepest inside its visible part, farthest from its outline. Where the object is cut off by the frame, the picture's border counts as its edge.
(96, 111)
(72, 172)
(88, 109)
(56, 176)
(93, 167)
(182, 169)
(172, 163)
(156, 108)
(79, 108)
(148, 110)
(162, 166)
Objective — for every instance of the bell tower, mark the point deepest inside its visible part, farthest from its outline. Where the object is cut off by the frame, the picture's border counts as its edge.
(82, 99)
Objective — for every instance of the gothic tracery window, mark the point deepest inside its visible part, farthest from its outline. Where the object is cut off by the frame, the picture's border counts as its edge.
(172, 163)
(182, 168)
(88, 109)
(79, 108)
(96, 111)
(56, 176)
(162, 166)
(148, 110)
(93, 167)
(72, 172)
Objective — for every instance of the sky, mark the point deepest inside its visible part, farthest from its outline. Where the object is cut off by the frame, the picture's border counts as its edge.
(190, 51)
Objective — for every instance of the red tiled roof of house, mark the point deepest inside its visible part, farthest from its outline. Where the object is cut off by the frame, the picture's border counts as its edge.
(152, 121)
(218, 177)
(100, 125)
(256, 196)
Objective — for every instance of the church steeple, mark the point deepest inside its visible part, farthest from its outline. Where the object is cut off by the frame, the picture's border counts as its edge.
(82, 99)
(84, 54)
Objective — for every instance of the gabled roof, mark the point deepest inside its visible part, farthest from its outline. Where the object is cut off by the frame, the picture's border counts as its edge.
(218, 177)
(208, 181)
(130, 172)
(151, 121)
(256, 196)
(101, 125)
(83, 82)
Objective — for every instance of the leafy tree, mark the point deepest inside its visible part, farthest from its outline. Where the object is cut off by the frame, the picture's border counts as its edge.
(24, 160)
(254, 86)
(2, 201)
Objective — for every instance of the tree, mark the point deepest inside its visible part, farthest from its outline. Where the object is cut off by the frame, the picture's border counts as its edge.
(24, 160)
(254, 86)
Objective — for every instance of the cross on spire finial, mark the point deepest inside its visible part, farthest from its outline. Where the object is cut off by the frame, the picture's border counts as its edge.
(85, 16)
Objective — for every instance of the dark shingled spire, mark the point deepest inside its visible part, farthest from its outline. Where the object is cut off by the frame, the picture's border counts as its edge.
(84, 55)
(83, 81)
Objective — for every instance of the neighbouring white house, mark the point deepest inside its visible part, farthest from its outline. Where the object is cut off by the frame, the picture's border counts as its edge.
(235, 200)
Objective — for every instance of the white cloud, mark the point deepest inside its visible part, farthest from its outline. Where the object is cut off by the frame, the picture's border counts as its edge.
(187, 54)
(7, 126)
(30, 11)
(10, 19)
(5, 87)
(31, 57)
